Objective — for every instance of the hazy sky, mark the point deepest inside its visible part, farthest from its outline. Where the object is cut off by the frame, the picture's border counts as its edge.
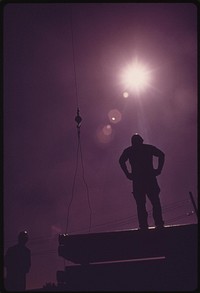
(53, 65)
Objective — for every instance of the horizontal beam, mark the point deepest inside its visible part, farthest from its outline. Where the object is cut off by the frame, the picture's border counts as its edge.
(178, 242)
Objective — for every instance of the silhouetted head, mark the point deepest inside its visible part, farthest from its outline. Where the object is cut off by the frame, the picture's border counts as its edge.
(23, 237)
(136, 140)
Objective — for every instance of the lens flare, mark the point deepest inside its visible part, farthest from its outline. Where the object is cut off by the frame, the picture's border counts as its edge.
(104, 134)
(114, 116)
(125, 94)
(107, 130)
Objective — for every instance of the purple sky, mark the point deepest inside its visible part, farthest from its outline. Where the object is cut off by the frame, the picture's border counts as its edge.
(40, 103)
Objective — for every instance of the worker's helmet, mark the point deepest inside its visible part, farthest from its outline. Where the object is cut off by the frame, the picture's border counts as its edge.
(23, 237)
(136, 139)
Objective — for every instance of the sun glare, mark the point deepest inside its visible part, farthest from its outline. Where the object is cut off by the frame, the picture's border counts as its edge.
(136, 77)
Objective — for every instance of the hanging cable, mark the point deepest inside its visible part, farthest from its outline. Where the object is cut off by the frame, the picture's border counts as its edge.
(73, 186)
(78, 120)
(87, 189)
(74, 63)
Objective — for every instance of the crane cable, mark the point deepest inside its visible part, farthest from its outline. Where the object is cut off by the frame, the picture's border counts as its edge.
(78, 120)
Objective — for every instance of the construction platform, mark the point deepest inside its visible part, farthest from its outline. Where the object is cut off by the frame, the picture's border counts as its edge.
(131, 260)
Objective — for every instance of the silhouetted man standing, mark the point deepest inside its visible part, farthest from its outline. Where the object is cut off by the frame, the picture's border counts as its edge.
(143, 176)
(17, 263)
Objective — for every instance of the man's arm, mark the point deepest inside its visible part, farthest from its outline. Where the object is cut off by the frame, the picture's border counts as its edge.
(161, 159)
(122, 161)
(7, 258)
(27, 261)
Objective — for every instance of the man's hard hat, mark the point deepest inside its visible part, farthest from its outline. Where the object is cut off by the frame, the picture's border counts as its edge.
(136, 138)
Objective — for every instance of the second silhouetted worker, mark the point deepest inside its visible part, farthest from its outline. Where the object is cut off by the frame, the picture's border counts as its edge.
(18, 263)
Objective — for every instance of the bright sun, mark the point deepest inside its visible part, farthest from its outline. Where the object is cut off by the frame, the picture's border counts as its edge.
(136, 77)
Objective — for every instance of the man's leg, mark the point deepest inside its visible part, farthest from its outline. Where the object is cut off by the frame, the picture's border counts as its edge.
(140, 198)
(157, 211)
